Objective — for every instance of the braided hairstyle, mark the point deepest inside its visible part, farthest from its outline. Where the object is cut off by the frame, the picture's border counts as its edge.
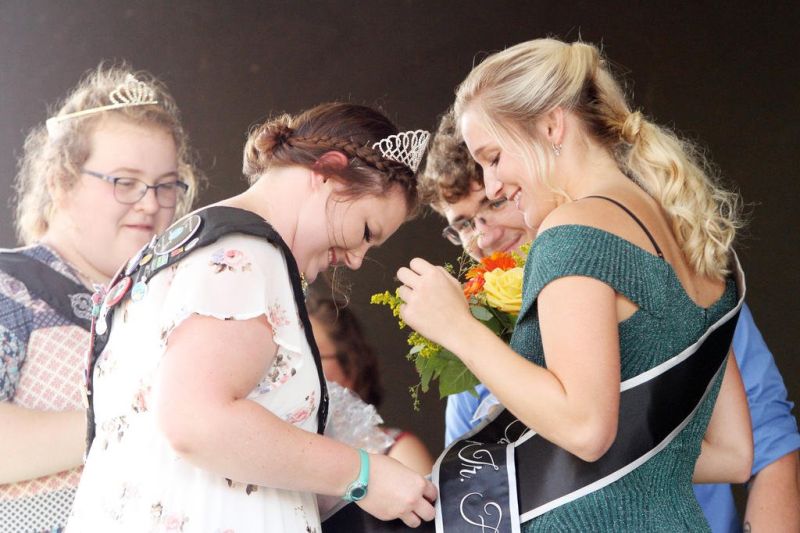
(347, 128)
(514, 88)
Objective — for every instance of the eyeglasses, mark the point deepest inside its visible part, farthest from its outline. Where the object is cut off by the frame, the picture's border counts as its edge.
(131, 190)
(458, 232)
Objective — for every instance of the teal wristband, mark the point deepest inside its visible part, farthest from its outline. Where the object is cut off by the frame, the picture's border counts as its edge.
(357, 490)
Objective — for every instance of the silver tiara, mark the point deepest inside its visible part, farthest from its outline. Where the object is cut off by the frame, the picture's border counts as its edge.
(406, 147)
(131, 92)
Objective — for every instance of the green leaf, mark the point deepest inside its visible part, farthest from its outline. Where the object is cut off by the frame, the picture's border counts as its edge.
(429, 368)
(426, 375)
(480, 312)
(455, 377)
(447, 355)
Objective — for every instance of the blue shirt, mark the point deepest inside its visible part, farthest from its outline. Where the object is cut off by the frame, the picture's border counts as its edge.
(774, 427)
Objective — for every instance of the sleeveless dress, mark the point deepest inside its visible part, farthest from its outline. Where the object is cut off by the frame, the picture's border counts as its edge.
(133, 481)
(658, 495)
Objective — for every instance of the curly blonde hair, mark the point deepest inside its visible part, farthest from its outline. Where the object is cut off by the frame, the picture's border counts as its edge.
(58, 158)
(511, 89)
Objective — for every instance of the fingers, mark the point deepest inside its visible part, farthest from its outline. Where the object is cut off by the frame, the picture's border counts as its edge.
(425, 510)
(407, 277)
(429, 492)
(416, 268)
(410, 519)
(419, 265)
(404, 293)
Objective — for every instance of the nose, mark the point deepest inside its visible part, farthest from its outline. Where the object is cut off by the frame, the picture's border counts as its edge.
(488, 234)
(354, 258)
(493, 185)
(148, 203)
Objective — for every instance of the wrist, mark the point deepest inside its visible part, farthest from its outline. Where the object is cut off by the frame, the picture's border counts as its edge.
(461, 335)
(357, 489)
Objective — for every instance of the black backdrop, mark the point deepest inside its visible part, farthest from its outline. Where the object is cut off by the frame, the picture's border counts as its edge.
(726, 75)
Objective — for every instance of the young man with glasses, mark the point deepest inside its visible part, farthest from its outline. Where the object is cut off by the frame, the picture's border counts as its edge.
(452, 184)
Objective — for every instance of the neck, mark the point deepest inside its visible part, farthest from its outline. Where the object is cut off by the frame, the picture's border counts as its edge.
(276, 198)
(593, 168)
(86, 272)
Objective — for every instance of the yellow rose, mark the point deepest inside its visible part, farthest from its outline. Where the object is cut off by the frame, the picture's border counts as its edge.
(504, 289)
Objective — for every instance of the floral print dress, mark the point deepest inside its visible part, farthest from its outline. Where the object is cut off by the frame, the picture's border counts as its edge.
(133, 480)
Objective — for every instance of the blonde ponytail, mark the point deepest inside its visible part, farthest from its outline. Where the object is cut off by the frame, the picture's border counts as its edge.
(512, 89)
(704, 216)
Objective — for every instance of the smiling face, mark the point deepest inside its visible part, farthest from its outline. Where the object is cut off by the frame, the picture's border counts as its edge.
(90, 227)
(336, 231)
(497, 226)
(505, 172)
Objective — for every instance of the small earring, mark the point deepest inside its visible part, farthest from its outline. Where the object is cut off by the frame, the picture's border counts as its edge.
(557, 149)
(303, 284)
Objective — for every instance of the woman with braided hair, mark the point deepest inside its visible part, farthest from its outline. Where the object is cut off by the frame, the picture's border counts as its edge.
(208, 394)
(627, 282)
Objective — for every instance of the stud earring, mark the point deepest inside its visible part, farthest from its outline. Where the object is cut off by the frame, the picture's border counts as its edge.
(557, 149)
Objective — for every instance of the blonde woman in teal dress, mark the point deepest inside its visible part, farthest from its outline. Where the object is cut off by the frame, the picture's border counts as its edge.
(631, 265)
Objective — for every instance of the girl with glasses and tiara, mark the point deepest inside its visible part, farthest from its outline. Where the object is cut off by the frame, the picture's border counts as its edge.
(77, 230)
(208, 399)
(619, 364)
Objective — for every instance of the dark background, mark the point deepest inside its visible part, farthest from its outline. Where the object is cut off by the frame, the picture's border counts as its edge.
(726, 75)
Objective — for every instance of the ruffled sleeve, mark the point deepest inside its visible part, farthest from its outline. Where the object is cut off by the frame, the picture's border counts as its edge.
(236, 278)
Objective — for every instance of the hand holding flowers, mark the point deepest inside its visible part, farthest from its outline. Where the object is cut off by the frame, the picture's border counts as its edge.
(433, 302)
(441, 310)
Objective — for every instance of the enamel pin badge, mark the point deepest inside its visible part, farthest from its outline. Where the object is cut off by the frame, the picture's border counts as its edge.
(177, 235)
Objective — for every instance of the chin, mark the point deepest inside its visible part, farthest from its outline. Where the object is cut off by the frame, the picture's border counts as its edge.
(527, 218)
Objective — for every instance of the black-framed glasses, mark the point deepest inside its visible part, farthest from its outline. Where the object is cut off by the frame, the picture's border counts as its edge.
(131, 190)
(459, 232)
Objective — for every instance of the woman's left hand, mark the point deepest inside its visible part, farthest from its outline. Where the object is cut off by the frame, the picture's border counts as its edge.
(433, 300)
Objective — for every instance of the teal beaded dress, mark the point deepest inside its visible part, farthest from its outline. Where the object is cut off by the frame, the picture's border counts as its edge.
(658, 495)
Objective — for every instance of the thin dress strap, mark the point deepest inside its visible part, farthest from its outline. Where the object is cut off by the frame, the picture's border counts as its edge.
(634, 217)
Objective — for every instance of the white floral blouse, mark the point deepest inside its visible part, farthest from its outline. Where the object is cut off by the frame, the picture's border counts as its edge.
(133, 480)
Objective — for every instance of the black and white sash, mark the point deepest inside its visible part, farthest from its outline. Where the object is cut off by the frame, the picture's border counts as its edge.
(502, 473)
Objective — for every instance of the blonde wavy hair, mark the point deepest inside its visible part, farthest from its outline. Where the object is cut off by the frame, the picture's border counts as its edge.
(512, 89)
(58, 158)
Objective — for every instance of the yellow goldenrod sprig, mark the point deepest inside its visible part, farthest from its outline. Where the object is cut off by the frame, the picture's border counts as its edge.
(426, 348)
(393, 301)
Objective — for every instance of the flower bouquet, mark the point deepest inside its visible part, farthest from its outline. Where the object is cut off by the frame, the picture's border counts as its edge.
(493, 288)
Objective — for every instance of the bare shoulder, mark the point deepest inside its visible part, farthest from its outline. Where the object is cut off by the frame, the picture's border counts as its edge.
(586, 212)
(610, 216)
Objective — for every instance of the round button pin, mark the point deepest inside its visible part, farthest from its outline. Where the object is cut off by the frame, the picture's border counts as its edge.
(139, 291)
(118, 291)
(177, 234)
